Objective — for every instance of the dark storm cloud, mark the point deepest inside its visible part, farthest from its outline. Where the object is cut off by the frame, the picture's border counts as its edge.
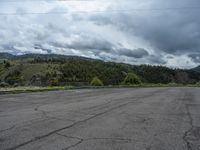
(85, 46)
(157, 59)
(178, 36)
(171, 31)
(97, 46)
(137, 53)
(94, 44)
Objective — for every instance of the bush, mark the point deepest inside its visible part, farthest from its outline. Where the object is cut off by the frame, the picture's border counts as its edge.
(198, 83)
(132, 79)
(4, 84)
(96, 82)
(54, 82)
(7, 64)
(16, 85)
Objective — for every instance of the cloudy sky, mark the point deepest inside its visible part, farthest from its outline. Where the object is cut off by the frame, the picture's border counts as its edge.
(159, 32)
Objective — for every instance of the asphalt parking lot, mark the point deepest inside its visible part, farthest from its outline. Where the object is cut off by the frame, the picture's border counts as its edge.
(102, 119)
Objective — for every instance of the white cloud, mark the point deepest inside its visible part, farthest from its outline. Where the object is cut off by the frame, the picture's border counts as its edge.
(105, 35)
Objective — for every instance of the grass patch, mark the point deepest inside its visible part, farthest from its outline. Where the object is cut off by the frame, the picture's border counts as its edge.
(17, 90)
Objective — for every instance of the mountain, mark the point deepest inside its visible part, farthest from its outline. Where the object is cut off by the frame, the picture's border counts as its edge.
(41, 56)
(6, 56)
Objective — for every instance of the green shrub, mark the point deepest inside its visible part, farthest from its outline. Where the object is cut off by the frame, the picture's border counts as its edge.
(96, 82)
(198, 83)
(132, 79)
(4, 84)
(54, 82)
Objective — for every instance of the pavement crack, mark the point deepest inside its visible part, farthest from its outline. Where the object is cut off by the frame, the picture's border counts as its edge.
(74, 145)
(113, 139)
(96, 138)
(44, 113)
(186, 134)
(10, 128)
(71, 137)
(80, 140)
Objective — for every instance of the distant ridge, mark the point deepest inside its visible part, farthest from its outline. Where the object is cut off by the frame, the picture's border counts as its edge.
(197, 69)
(9, 56)
(6, 56)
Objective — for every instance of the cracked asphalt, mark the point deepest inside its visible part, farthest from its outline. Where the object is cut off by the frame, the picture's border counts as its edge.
(102, 119)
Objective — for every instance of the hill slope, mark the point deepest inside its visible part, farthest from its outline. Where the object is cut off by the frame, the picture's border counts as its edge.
(37, 69)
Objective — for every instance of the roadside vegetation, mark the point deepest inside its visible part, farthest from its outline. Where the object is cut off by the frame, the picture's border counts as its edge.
(16, 90)
(132, 79)
(96, 82)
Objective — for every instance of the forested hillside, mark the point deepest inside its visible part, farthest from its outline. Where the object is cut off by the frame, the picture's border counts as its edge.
(197, 69)
(44, 70)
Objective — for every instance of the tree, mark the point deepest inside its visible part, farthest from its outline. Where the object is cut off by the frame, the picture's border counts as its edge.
(96, 82)
(7, 64)
(182, 77)
(132, 79)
